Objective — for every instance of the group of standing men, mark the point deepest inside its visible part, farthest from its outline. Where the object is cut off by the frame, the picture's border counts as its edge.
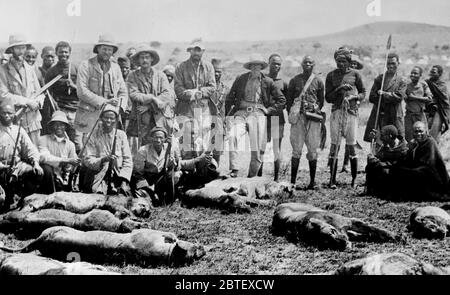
(178, 120)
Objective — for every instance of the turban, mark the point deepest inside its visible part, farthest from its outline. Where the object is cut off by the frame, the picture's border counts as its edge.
(343, 52)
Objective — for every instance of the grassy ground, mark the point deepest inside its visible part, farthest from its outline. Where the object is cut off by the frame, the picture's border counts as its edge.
(243, 244)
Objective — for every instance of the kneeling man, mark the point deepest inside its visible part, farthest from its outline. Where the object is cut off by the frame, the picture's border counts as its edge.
(58, 156)
(157, 167)
(108, 157)
(20, 173)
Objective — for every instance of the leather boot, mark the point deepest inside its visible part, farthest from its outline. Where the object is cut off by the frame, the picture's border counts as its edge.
(346, 160)
(354, 169)
(312, 174)
(333, 172)
(276, 169)
(260, 169)
(295, 162)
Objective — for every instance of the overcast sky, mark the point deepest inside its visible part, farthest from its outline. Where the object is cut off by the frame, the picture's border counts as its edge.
(212, 20)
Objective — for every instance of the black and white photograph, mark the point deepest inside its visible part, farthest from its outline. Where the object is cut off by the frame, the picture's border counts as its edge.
(239, 137)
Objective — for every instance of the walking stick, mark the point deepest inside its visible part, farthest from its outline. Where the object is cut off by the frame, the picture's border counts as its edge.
(388, 47)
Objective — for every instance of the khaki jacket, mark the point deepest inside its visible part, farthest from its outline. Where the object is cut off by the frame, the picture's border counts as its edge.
(13, 88)
(89, 90)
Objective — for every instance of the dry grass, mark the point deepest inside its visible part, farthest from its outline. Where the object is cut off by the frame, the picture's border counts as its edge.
(243, 244)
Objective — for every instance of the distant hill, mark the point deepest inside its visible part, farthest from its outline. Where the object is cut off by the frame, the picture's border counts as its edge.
(375, 34)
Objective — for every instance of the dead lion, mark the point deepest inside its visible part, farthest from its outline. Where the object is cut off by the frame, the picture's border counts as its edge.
(429, 222)
(236, 194)
(30, 264)
(120, 205)
(36, 222)
(142, 247)
(324, 229)
(389, 264)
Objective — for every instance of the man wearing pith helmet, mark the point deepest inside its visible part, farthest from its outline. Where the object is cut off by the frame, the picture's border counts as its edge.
(152, 97)
(252, 97)
(194, 85)
(19, 83)
(58, 155)
(99, 82)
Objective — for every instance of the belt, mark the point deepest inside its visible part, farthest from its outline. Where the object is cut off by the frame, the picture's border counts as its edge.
(251, 109)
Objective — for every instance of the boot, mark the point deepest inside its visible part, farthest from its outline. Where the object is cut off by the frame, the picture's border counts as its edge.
(346, 160)
(260, 169)
(333, 172)
(295, 162)
(312, 174)
(354, 169)
(276, 169)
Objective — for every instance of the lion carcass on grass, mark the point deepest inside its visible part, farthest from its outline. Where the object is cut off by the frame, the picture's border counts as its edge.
(324, 229)
(237, 194)
(144, 247)
(30, 264)
(33, 223)
(119, 205)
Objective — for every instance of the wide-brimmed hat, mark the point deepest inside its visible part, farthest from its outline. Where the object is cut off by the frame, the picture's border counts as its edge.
(195, 44)
(217, 64)
(256, 58)
(356, 59)
(106, 39)
(110, 108)
(145, 48)
(16, 40)
(59, 116)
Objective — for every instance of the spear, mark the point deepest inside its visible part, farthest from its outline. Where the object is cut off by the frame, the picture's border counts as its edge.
(388, 48)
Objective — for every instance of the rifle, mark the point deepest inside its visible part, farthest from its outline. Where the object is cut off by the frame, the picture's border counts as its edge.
(110, 171)
(13, 159)
(73, 177)
(39, 92)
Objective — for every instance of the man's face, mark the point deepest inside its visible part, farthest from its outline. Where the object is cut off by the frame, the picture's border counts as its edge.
(196, 53)
(30, 56)
(125, 68)
(48, 58)
(158, 139)
(387, 139)
(342, 64)
(59, 128)
(63, 54)
(145, 60)
(218, 74)
(354, 65)
(434, 74)
(415, 75)
(6, 114)
(105, 52)
(307, 64)
(109, 120)
(19, 51)
(419, 132)
(255, 68)
(275, 65)
(392, 65)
